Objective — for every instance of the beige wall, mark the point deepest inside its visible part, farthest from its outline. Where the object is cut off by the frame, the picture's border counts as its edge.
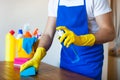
(114, 59)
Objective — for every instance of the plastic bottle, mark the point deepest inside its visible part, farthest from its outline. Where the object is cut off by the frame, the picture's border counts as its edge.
(26, 29)
(73, 55)
(20, 34)
(35, 32)
(27, 34)
(38, 36)
(10, 46)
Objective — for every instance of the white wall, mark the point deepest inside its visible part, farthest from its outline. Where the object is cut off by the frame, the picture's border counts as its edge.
(16, 13)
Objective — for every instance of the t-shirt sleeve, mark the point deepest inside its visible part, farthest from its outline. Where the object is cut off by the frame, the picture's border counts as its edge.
(101, 7)
(52, 8)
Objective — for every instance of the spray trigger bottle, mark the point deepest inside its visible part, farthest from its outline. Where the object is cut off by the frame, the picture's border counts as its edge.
(73, 55)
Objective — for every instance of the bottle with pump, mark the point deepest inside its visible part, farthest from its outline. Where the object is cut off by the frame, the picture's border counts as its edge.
(10, 46)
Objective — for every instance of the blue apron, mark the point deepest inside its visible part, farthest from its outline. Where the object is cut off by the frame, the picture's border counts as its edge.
(89, 59)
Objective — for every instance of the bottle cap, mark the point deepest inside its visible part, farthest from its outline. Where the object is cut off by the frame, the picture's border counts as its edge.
(20, 31)
(12, 32)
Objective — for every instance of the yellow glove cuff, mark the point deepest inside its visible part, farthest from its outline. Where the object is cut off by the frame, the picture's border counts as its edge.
(85, 40)
(40, 53)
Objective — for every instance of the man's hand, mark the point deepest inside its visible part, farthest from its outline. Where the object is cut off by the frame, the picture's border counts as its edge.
(69, 37)
(35, 61)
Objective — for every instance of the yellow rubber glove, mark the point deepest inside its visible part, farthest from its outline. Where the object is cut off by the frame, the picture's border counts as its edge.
(35, 61)
(69, 37)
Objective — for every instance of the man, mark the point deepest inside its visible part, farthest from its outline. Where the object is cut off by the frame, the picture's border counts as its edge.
(87, 24)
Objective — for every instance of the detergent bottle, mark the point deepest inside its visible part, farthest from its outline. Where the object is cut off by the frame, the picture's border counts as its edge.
(10, 43)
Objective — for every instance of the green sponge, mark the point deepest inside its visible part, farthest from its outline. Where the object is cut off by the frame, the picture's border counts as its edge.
(28, 72)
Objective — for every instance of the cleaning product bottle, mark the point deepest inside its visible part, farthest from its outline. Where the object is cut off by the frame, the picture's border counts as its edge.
(26, 29)
(35, 32)
(39, 35)
(20, 34)
(10, 46)
(73, 56)
(27, 34)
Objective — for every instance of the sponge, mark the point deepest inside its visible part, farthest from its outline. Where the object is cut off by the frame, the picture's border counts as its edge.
(28, 72)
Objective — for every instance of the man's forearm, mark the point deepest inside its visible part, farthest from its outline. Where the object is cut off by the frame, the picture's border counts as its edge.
(45, 41)
(106, 30)
(48, 35)
(104, 35)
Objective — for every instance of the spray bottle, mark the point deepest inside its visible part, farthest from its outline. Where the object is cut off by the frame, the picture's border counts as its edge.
(10, 46)
(73, 55)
